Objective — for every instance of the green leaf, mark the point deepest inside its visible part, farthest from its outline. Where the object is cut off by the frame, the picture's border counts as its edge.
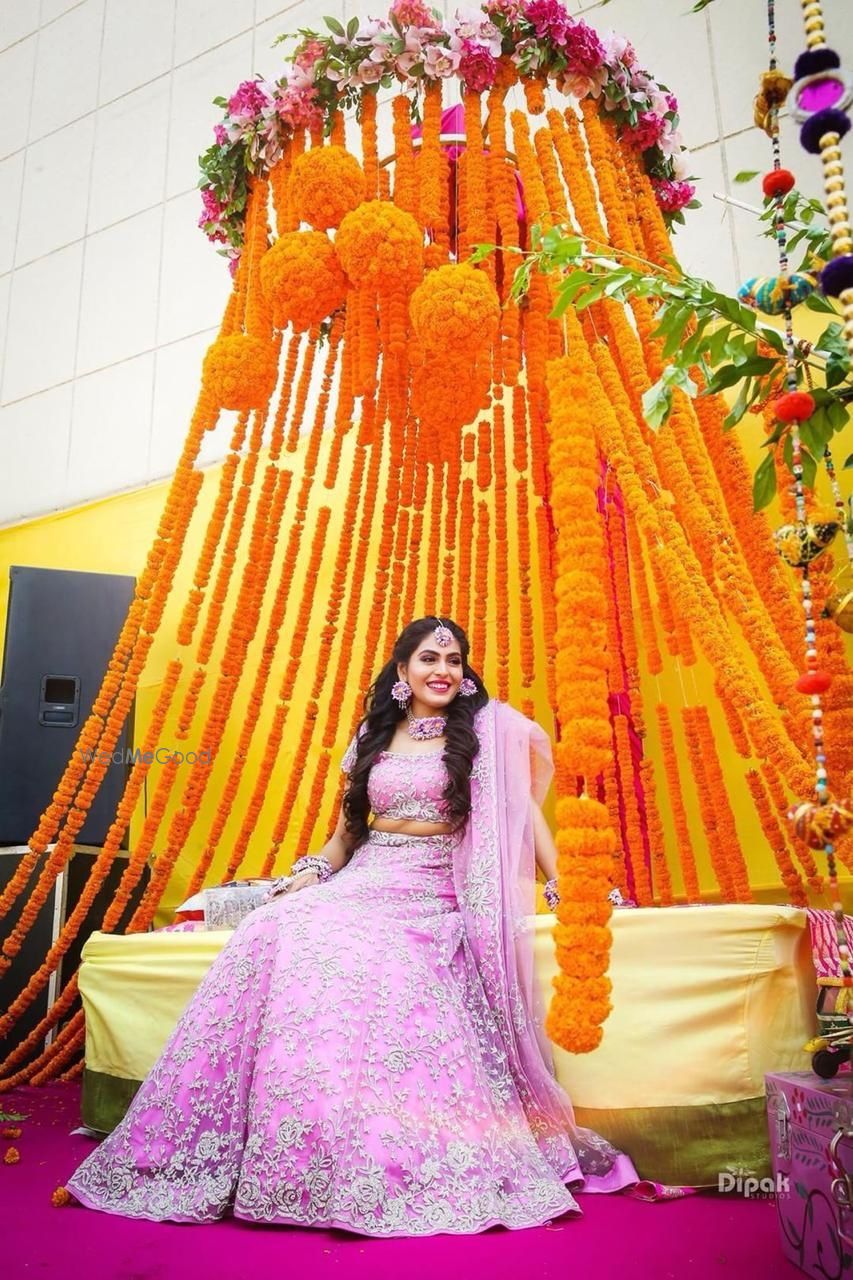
(848, 466)
(717, 344)
(676, 321)
(657, 402)
(772, 337)
(809, 468)
(740, 405)
(817, 302)
(746, 175)
(725, 376)
(480, 252)
(836, 371)
(764, 484)
(335, 27)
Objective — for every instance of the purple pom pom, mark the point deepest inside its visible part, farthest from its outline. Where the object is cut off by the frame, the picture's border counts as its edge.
(828, 121)
(837, 276)
(815, 60)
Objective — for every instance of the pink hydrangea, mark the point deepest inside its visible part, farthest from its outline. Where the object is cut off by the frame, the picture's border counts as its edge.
(550, 20)
(584, 52)
(249, 100)
(645, 132)
(212, 210)
(477, 67)
(672, 196)
(220, 133)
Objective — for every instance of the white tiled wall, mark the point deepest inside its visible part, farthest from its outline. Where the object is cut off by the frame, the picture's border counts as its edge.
(109, 294)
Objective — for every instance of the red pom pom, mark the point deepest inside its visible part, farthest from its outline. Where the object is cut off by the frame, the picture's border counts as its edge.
(794, 406)
(814, 682)
(778, 182)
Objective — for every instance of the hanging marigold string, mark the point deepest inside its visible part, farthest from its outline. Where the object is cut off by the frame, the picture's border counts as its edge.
(585, 841)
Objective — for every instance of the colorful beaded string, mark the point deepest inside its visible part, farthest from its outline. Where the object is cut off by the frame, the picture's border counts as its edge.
(796, 406)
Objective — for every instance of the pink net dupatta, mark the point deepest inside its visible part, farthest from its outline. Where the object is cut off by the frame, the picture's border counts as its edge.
(495, 884)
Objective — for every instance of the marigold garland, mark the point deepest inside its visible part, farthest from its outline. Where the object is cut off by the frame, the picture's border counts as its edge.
(777, 838)
(723, 843)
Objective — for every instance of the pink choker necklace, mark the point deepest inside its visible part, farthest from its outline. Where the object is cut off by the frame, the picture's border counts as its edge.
(423, 727)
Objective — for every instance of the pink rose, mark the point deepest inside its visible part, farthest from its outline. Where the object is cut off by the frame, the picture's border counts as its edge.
(312, 51)
(298, 108)
(477, 67)
(413, 13)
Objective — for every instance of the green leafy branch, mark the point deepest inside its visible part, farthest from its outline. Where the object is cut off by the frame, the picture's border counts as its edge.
(711, 342)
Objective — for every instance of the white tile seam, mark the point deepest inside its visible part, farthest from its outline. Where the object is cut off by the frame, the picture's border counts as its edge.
(6, 325)
(136, 355)
(42, 26)
(163, 204)
(83, 255)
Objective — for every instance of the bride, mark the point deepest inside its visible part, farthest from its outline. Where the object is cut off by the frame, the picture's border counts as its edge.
(368, 1051)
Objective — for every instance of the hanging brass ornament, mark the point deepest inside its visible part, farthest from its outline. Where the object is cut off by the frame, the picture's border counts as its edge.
(839, 605)
(821, 824)
(804, 540)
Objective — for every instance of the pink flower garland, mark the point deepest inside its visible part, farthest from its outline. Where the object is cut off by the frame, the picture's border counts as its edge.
(413, 46)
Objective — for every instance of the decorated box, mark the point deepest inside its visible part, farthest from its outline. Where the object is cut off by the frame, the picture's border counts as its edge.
(811, 1144)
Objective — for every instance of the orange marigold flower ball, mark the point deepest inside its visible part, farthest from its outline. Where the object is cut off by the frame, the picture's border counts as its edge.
(377, 244)
(240, 371)
(302, 279)
(325, 184)
(456, 306)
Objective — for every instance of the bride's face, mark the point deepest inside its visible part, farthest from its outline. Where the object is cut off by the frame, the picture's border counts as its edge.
(431, 666)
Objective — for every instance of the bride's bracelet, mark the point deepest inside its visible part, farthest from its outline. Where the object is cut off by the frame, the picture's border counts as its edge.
(552, 897)
(313, 862)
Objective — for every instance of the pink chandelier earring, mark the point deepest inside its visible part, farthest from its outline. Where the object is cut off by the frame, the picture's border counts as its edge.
(401, 692)
(467, 688)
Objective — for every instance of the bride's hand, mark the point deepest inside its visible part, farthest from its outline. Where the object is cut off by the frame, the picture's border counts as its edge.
(289, 884)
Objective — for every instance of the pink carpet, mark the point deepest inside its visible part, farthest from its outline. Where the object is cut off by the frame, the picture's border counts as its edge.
(701, 1236)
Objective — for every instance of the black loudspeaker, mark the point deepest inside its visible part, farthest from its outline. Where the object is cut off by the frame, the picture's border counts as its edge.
(64, 896)
(61, 629)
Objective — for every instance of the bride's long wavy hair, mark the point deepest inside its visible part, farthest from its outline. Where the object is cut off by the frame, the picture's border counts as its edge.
(382, 715)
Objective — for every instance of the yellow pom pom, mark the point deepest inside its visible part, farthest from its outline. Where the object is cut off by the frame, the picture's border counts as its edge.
(325, 184)
(302, 279)
(378, 244)
(240, 371)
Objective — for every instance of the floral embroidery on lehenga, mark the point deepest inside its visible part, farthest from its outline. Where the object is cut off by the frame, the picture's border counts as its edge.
(340, 1064)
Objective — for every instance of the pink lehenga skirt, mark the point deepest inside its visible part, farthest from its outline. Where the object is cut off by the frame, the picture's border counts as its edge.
(336, 1067)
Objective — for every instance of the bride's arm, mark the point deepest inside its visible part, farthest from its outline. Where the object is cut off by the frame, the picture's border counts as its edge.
(338, 845)
(546, 849)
